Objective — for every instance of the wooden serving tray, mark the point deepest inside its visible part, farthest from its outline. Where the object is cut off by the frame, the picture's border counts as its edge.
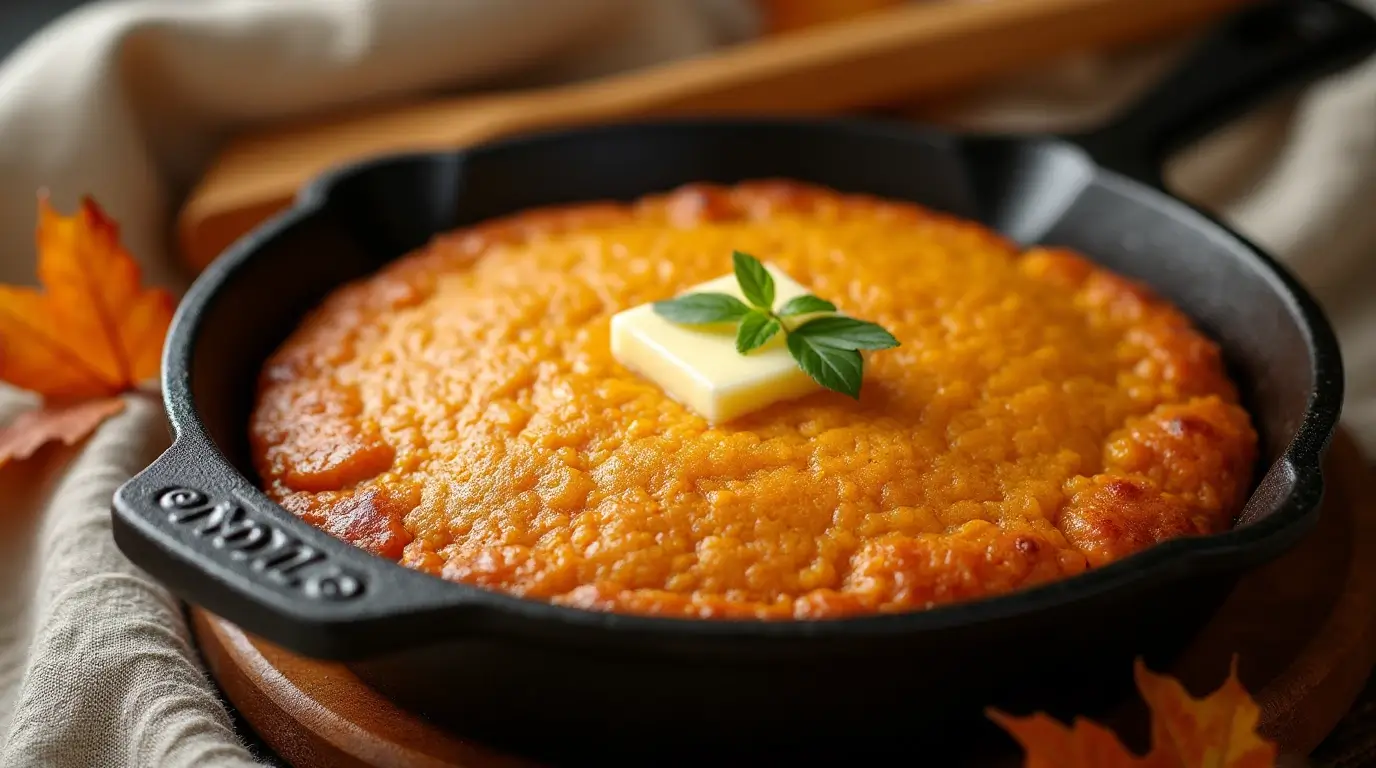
(918, 49)
(1303, 627)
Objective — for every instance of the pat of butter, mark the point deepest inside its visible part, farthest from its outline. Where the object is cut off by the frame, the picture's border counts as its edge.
(699, 366)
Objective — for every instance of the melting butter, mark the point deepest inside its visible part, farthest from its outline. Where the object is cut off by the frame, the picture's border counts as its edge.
(698, 365)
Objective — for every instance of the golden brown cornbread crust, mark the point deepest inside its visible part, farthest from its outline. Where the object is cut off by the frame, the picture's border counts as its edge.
(460, 412)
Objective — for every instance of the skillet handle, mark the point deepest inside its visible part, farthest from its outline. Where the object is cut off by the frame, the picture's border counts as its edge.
(1276, 44)
(220, 543)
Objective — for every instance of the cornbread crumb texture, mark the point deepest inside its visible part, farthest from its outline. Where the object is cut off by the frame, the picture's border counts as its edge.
(460, 412)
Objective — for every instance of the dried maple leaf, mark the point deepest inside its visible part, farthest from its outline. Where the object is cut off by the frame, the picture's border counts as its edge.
(92, 332)
(67, 423)
(1049, 744)
(1217, 731)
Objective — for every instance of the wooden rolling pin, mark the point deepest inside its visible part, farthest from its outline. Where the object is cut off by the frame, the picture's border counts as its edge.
(916, 49)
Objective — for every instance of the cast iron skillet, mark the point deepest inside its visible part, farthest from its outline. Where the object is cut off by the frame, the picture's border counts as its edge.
(572, 683)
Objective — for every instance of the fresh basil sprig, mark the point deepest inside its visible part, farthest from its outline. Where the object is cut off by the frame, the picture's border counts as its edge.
(826, 348)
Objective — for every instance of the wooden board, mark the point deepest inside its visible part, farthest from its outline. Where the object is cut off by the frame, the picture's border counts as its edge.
(1303, 627)
(914, 50)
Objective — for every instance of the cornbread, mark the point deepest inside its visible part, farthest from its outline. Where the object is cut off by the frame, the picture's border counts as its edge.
(460, 412)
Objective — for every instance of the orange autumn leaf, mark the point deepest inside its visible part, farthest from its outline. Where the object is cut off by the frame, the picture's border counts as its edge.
(91, 332)
(1216, 731)
(1049, 744)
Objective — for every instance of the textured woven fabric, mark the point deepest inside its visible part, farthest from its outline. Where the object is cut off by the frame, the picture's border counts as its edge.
(125, 100)
(107, 675)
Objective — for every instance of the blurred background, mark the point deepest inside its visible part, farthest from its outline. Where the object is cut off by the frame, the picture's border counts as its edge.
(21, 18)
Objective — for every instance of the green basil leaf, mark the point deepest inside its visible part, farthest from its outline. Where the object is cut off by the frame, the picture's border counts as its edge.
(701, 308)
(836, 369)
(845, 333)
(755, 281)
(756, 329)
(805, 305)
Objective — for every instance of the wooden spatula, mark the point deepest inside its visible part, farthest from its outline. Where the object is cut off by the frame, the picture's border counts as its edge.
(916, 49)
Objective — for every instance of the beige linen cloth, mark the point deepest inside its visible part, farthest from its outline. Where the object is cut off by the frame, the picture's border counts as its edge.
(124, 100)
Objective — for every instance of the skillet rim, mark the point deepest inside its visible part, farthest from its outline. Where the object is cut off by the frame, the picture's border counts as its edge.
(1243, 546)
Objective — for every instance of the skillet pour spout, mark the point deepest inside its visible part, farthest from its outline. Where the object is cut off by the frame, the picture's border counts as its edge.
(480, 661)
